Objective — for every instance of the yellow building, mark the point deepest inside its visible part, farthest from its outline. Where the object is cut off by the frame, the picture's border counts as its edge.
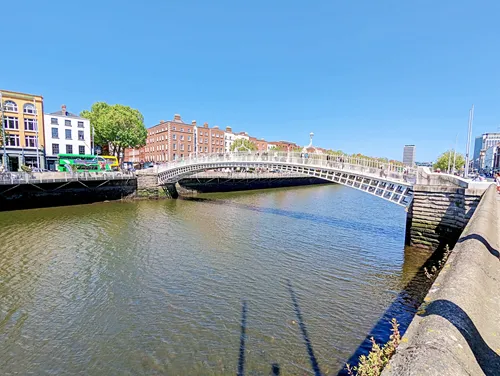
(22, 124)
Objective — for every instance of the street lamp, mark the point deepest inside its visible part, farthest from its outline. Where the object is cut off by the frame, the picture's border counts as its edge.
(4, 141)
(304, 150)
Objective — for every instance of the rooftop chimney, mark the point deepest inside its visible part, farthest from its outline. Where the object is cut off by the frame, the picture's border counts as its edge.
(63, 109)
(177, 118)
(216, 127)
(162, 121)
(193, 123)
(205, 125)
(228, 129)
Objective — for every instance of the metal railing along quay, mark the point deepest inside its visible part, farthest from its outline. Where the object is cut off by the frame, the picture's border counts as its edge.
(61, 177)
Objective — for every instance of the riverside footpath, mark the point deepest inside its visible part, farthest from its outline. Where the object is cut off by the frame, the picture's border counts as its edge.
(457, 329)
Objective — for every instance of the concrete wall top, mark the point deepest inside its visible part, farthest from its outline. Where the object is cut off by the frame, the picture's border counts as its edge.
(457, 329)
(426, 177)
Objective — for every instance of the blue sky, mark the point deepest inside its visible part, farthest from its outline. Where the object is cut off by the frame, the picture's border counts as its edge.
(364, 76)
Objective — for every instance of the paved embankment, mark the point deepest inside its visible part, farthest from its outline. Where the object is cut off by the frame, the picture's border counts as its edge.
(457, 329)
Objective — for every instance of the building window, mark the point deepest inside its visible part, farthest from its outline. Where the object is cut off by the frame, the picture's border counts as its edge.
(29, 108)
(11, 122)
(182, 147)
(213, 142)
(12, 140)
(174, 137)
(189, 138)
(30, 141)
(67, 122)
(206, 140)
(67, 132)
(173, 128)
(206, 149)
(10, 106)
(55, 149)
(53, 121)
(29, 124)
(175, 146)
(55, 133)
(182, 129)
(81, 150)
(80, 124)
(189, 147)
(69, 149)
(201, 140)
(80, 135)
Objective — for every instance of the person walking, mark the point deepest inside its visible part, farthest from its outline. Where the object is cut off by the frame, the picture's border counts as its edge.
(497, 181)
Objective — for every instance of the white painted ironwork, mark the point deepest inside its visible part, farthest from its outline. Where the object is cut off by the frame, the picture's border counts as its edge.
(388, 181)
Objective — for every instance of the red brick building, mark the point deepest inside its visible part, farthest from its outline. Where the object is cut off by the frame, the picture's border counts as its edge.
(135, 155)
(171, 140)
(261, 144)
(283, 145)
(210, 140)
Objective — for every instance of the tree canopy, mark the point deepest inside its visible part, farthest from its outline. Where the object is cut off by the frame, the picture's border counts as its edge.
(116, 125)
(442, 161)
(242, 144)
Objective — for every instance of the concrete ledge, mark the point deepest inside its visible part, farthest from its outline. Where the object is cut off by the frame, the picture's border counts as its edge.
(457, 329)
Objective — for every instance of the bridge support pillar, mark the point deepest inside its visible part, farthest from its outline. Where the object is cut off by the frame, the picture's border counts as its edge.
(170, 190)
(438, 215)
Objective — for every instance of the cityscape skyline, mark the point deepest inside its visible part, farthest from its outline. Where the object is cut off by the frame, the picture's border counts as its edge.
(363, 77)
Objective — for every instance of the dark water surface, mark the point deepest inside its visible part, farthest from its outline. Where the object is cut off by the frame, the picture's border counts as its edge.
(157, 287)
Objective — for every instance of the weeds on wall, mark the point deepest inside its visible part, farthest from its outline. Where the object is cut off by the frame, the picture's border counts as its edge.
(373, 363)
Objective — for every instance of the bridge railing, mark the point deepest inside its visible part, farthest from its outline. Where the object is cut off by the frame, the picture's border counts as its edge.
(342, 162)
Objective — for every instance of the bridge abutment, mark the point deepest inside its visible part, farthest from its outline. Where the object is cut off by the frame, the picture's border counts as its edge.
(438, 215)
(441, 208)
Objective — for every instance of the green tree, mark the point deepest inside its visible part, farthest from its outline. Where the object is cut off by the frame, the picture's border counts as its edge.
(116, 125)
(442, 161)
(243, 145)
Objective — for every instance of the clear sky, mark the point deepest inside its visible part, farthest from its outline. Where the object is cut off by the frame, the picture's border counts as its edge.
(364, 76)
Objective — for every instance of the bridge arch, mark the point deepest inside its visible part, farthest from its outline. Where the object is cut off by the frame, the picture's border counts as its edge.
(389, 182)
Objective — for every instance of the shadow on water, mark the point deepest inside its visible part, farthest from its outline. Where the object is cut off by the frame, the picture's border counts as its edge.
(241, 358)
(275, 368)
(403, 308)
(488, 360)
(330, 221)
(303, 329)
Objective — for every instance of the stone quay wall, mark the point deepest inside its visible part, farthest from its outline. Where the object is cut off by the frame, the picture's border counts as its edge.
(438, 215)
(456, 331)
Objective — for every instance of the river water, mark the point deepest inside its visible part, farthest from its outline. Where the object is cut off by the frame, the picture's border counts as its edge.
(163, 287)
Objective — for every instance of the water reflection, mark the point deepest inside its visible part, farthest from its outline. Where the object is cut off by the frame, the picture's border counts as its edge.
(156, 287)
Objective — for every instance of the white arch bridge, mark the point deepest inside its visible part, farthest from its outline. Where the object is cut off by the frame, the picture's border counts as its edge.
(390, 182)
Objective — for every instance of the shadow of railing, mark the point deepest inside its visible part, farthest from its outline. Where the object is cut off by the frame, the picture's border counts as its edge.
(486, 357)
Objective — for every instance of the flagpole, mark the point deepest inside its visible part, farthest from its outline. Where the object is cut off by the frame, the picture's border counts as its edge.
(469, 133)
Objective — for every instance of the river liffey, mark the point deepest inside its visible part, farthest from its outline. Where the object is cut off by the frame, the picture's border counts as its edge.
(163, 287)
